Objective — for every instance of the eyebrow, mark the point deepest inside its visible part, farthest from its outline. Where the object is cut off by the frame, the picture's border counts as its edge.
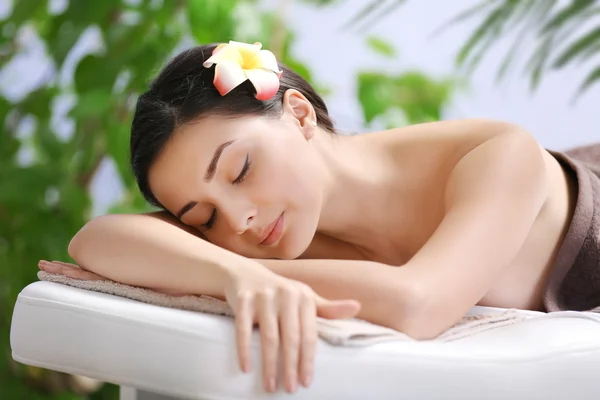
(185, 209)
(212, 167)
(208, 176)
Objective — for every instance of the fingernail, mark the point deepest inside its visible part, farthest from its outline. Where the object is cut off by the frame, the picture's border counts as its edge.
(70, 274)
(291, 385)
(306, 380)
(271, 385)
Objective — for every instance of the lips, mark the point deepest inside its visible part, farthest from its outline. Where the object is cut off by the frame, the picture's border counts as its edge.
(272, 232)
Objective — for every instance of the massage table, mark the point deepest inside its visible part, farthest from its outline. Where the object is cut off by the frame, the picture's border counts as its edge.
(155, 353)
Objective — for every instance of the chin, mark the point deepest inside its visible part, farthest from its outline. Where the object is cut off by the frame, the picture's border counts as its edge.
(295, 242)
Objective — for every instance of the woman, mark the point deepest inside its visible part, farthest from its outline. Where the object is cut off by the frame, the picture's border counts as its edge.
(266, 207)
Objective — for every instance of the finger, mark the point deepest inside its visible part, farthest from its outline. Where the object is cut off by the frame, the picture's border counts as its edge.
(57, 265)
(243, 327)
(337, 309)
(80, 274)
(42, 264)
(64, 264)
(269, 333)
(290, 339)
(308, 343)
(68, 270)
(50, 267)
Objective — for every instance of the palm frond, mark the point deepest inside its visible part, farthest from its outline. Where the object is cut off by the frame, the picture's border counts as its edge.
(465, 15)
(557, 32)
(373, 12)
(591, 79)
(566, 15)
(364, 12)
(578, 47)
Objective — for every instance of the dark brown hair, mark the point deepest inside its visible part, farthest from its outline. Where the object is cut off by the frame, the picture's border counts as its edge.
(184, 91)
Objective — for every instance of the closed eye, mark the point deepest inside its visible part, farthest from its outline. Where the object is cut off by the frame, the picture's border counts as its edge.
(208, 224)
(244, 171)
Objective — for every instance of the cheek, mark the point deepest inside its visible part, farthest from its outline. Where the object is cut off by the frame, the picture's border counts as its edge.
(288, 179)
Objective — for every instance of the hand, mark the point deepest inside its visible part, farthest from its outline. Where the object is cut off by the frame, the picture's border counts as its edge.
(286, 312)
(76, 272)
(68, 270)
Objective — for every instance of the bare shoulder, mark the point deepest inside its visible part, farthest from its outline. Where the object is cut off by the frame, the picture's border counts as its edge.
(435, 147)
(460, 135)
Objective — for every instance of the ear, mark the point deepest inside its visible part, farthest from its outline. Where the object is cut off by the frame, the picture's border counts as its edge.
(300, 109)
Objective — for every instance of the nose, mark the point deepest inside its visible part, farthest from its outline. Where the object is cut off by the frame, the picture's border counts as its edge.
(239, 214)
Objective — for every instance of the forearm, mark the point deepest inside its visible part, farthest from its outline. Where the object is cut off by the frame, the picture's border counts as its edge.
(146, 251)
(386, 299)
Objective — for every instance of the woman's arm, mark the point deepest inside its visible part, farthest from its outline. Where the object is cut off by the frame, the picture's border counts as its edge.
(154, 251)
(385, 297)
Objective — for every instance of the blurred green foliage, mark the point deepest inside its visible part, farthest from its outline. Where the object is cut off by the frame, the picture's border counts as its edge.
(46, 169)
(404, 98)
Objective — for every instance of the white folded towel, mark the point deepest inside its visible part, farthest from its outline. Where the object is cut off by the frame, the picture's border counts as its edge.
(348, 332)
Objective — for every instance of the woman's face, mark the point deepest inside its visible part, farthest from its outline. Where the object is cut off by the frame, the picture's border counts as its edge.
(250, 184)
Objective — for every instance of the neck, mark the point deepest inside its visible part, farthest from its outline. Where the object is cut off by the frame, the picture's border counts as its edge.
(354, 188)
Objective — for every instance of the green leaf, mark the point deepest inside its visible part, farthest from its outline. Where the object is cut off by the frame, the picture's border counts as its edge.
(95, 72)
(491, 23)
(367, 10)
(381, 46)
(26, 186)
(374, 94)
(321, 3)
(466, 14)
(538, 61)
(118, 149)
(417, 95)
(74, 201)
(47, 145)
(9, 145)
(592, 79)
(567, 14)
(211, 20)
(39, 102)
(579, 46)
(93, 12)
(376, 9)
(24, 10)
(532, 14)
(92, 103)
(61, 33)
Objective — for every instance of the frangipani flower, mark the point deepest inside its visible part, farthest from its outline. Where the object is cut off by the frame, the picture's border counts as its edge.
(237, 62)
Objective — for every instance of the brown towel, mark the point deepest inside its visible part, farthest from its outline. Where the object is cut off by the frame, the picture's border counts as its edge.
(574, 283)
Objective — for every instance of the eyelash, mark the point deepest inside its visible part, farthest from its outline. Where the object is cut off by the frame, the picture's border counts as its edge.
(243, 174)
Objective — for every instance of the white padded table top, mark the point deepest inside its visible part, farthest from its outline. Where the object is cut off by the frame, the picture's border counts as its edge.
(192, 355)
